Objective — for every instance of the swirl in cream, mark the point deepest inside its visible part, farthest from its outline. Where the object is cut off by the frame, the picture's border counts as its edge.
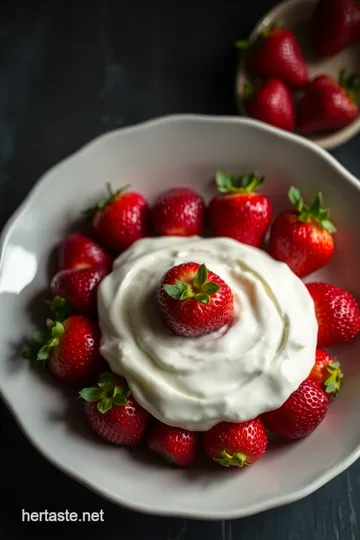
(245, 369)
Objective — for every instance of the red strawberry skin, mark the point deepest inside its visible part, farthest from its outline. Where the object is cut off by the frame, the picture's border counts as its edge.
(337, 313)
(236, 444)
(76, 358)
(325, 106)
(78, 250)
(123, 425)
(79, 287)
(190, 317)
(239, 212)
(327, 374)
(301, 413)
(304, 246)
(179, 212)
(278, 56)
(335, 25)
(302, 238)
(272, 104)
(175, 445)
(123, 221)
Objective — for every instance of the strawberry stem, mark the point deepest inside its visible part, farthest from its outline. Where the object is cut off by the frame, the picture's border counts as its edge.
(247, 183)
(100, 205)
(350, 83)
(238, 459)
(334, 382)
(248, 44)
(248, 90)
(199, 288)
(313, 212)
(59, 307)
(106, 393)
(44, 342)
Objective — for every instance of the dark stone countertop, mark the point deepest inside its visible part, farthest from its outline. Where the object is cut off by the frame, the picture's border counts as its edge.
(68, 72)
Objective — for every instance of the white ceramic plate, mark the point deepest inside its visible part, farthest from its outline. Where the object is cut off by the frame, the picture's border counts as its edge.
(174, 150)
(296, 15)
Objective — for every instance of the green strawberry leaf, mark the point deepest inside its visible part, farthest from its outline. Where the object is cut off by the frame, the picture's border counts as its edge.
(247, 183)
(119, 397)
(109, 199)
(203, 298)
(334, 382)
(107, 393)
(211, 288)
(174, 291)
(313, 212)
(238, 459)
(104, 405)
(200, 277)
(91, 394)
(60, 308)
(39, 337)
(296, 198)
(224, 182)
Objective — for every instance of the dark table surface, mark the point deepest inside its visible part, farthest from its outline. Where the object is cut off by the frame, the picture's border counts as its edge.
(68, 72)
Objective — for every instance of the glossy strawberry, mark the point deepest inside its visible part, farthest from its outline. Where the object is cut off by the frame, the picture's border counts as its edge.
(238, 211)
(175, 445)
(79, 287)
(335, 25)
(180, 212)
(70, 348)
(271, 103)
(327, 104)
(193, 300)
(236, 444)
(302, 238)
(301, 413)
(120, 219)
(276, 54)
(78, 250)
(112, 412)
(337, 313)
(327, 374)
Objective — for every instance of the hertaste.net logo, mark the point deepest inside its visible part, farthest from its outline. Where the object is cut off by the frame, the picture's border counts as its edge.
(63, 516)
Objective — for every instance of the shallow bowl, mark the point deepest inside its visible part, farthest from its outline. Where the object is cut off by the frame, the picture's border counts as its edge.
(296, 15)
(172, 151)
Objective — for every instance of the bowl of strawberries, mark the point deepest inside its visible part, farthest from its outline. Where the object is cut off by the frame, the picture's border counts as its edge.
(180, 331)
(300, 70)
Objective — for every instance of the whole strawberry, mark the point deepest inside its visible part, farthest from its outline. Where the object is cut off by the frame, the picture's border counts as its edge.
(236, 444)
(238, 211)
(112, 412)
(120, 219)
(327, 374)
(70, 348)
(302, 238)
(78, 250)
(175, 445)
(272, 103)
(335, 26)
(276, 54)
(337, 313)
(301, 413)
(79, 287)
(193, 300)
(327, 104)
(179, 212)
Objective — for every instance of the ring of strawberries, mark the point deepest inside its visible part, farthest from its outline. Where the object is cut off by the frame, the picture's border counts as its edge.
(193, 300)
(280, 90)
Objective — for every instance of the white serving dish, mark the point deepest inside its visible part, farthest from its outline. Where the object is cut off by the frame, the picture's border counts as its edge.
(170, 151)
(296, 15)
